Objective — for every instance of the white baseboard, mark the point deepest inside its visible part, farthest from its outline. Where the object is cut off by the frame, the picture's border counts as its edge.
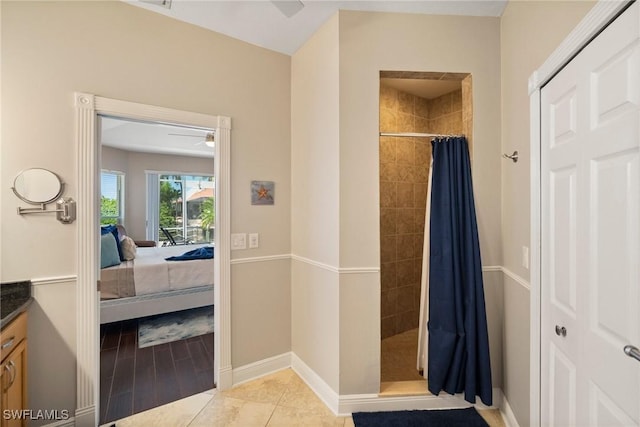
(261, 368)
(264, 367)
(507, 414)
(347, 404)
(84, 417)
(316, 383)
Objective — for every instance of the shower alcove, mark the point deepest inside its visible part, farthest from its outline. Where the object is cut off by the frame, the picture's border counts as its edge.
(410, 102)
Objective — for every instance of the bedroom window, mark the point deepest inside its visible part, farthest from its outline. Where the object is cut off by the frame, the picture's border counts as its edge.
(183, 208)
(112, 197)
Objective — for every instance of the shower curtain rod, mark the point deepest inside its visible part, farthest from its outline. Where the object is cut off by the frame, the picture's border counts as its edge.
(416, 135)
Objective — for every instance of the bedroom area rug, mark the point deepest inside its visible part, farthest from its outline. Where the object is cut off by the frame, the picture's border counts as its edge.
(176, 326)
(467, 417)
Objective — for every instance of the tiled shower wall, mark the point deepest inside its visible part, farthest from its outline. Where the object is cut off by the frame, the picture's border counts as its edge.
(404, 171)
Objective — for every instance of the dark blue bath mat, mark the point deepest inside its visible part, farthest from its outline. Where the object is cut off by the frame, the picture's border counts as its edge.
(467, 417)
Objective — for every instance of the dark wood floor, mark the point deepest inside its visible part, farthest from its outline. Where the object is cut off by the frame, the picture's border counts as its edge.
(135, 379)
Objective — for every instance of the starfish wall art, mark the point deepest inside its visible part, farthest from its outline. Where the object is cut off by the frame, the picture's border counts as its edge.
(262, 192)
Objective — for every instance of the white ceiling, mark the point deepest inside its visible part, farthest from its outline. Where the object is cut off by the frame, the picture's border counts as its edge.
(262, 23)
(146, 137)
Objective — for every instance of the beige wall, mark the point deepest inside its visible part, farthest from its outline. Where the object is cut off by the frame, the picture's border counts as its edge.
(369, 43)
(51, 341)
(261, 323)
(315, 205)
(114, 159)
(530, 31)
(315, 146)
(51, 50)
(135, 165)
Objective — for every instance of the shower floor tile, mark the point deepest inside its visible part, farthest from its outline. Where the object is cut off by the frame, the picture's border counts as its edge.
(404, 388)
(398, 358)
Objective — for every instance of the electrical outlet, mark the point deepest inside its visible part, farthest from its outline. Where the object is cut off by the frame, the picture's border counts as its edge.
(525, 257)
(254, 240)
(238, 241)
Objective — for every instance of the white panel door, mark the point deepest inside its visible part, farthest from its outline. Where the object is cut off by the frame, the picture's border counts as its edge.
(590, 242)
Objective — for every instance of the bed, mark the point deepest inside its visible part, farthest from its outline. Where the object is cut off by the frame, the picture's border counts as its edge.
(149, 284)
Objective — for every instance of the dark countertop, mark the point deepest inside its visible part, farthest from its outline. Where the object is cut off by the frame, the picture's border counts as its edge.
(15, 297)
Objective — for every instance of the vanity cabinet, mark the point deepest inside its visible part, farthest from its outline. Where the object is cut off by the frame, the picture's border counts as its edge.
(13, 371)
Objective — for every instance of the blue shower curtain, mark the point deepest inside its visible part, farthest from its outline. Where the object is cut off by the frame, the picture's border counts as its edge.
(458, 340)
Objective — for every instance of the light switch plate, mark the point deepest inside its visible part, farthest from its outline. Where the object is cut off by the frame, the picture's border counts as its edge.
(525, 257)
(254, 240)
(238, 241)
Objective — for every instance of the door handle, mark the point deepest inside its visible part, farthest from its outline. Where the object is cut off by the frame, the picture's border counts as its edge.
(632, 351)
(7, 343)
(11, 370)
(561, 331)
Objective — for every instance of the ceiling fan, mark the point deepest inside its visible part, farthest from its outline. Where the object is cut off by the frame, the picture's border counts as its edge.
(209, 139)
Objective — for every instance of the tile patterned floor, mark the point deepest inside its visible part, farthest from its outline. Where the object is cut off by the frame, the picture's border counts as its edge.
(279, 399)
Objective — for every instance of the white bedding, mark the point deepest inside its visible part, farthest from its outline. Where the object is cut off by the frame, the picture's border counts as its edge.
(152, 273)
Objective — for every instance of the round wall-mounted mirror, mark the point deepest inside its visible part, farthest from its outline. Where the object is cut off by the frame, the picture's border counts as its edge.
(37, 186)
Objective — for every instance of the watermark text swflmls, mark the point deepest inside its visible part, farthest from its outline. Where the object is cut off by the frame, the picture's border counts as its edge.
(36, 414)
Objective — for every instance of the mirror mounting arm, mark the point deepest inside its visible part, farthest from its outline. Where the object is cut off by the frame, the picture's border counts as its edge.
(65, 210)
(41, 209)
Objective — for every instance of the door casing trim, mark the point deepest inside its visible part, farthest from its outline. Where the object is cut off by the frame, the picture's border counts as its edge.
(88, 107)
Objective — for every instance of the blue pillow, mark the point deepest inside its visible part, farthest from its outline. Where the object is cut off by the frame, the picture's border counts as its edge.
(113, 230)
(108, 251)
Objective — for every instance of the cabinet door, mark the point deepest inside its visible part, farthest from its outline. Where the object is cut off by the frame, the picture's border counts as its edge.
(13, 381)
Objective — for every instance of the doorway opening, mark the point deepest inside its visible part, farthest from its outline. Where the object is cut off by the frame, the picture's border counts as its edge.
(156, 315)
(412, 104)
